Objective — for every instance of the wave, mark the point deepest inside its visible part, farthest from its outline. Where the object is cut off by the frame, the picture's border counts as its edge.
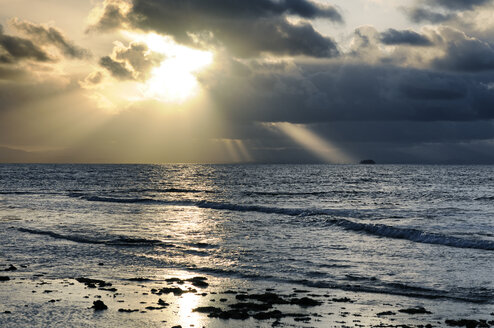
(27, 193)
(398, 289)
(373, 286)
(414, 235)
(173, 190)
(302, 193)
(116, 241)
(381, 230)
(485, 198)
(221, 206)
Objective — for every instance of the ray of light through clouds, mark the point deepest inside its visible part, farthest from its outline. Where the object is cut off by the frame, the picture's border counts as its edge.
(195, 81)
(306, 138)
(173, 80)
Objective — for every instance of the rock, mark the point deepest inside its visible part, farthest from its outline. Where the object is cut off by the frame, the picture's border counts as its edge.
(199, 282)
(467, 323)
(139, 279)
(269, 298)
(11, 268)
(127, 310)
(385, 313)
(155, 307)
(91, 283)
(342, 300)
(162, 303)
(175, 280)
(305, 302)
(4, 278)
(99, 305)
(207, 309)
(276, 314)
(416, 310)
(175, 290)
(249, 306)
(231, 314)
(108, 289)
(177, 326)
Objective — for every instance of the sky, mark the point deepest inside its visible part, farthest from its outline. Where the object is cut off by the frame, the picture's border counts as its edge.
(258, 81)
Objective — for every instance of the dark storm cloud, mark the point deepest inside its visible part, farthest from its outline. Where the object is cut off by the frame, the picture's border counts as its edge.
(438, 11)
(246, 28)
(325, 93)
(465, 54)
(51, 36)
(419, 15)
(458, 4)
(405, 37)
(14, 48)
(116, 69)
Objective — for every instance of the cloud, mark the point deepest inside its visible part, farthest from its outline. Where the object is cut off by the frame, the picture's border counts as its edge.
(116, 69)
(50, 36)
(463, 53)
(330, 92)
(13, 48)
(458, 4)
(134, 62)
(438, 11)
(246, 28)
(419, 15)
(405, 37)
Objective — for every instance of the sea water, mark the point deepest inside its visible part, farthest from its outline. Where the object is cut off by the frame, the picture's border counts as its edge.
(424, 232)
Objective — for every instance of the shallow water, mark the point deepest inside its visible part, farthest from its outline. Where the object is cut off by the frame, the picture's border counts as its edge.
(426, 232)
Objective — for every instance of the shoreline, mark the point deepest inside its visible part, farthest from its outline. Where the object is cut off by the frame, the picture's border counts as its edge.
(34, 299)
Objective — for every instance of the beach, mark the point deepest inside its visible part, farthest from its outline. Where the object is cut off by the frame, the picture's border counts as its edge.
(245, 246)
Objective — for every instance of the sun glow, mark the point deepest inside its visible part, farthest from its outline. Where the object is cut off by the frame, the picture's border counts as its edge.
(174, 80)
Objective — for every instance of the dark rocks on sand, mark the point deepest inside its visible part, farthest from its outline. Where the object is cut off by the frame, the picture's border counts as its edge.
(305, 301)
(174, 280)
(416, 310)
(4, 278)
(91, 283)
(99, 305)
(276, 314)
(385, 313)
(127, 310)
(139, 279)
(269, 298)
(207, 309)
(199, 282)
(231, 314)
(155, 308)
(162, 303)
(175, 290)
(11, 268)
(342, 300)
(249, 306)
(467, 323)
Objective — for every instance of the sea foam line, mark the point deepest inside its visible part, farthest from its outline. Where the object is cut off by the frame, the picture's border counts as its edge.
(381, 230)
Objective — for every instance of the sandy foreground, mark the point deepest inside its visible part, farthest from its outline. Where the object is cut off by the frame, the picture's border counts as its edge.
(183, 299)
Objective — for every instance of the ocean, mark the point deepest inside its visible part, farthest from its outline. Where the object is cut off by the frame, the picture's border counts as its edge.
(418, 232)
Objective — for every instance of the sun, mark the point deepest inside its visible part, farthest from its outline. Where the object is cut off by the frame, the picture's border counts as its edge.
(174, 80)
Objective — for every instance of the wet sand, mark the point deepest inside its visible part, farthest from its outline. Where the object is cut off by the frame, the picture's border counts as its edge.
(180, 299)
